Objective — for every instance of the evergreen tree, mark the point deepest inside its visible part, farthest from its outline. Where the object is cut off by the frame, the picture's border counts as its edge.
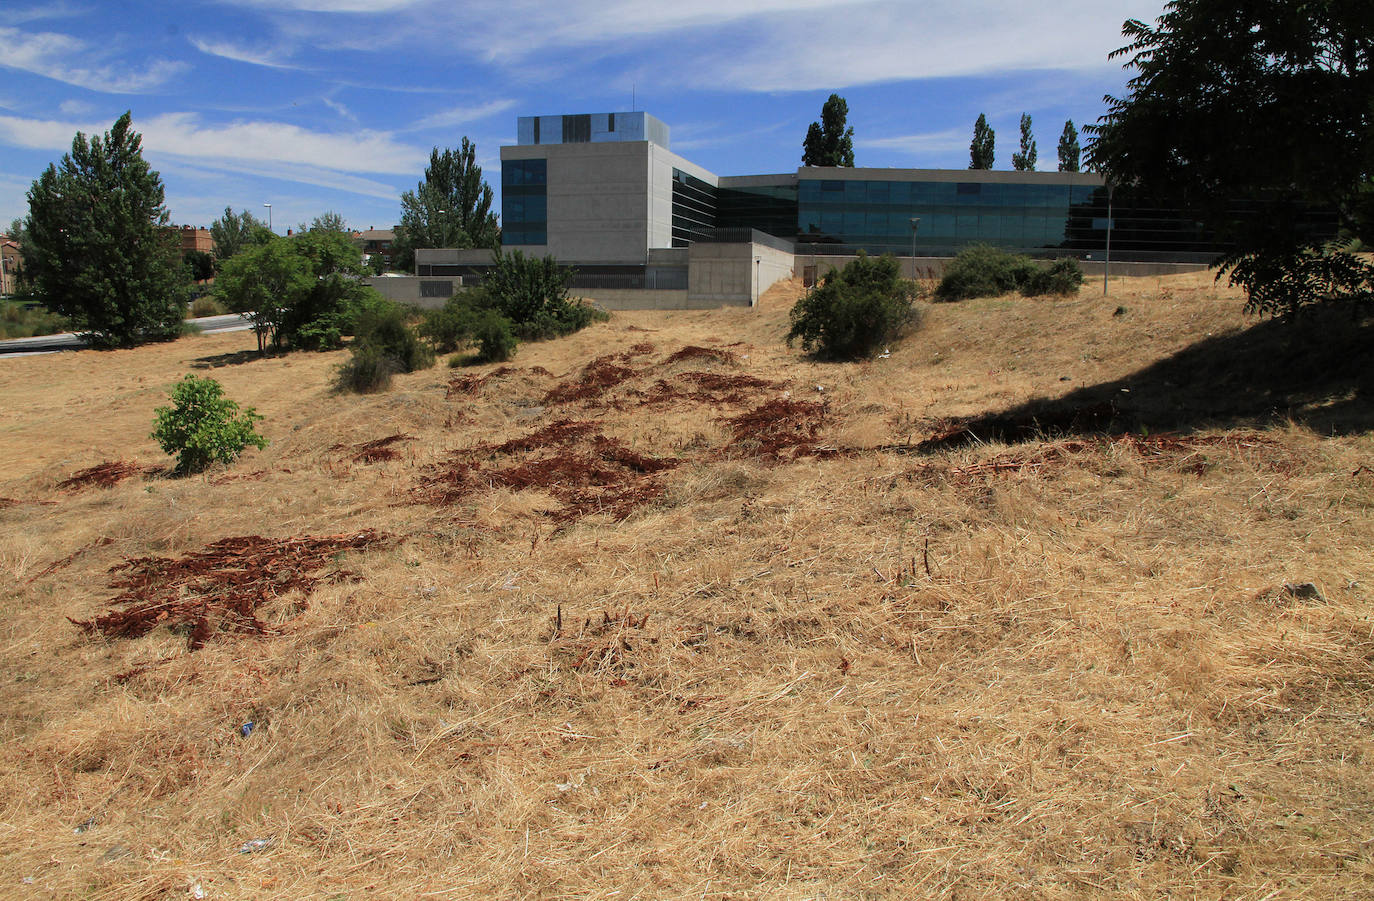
(450, 208)
(1024, 160)
(1068, 148)
(828, 142)
(236, 232)
(100, 250)
(981, 151)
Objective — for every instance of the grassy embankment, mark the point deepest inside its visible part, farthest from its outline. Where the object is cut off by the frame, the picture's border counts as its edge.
(806, 662)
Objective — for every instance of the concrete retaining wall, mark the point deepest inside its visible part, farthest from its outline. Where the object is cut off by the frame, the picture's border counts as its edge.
(407, 289)
(734, 274)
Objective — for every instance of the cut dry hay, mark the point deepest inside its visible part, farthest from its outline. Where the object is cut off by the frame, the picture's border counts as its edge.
(1079, 659)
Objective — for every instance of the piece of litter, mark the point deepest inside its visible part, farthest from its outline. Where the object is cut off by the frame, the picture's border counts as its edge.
(246, 729)
(197, 892)
(255, 844)
(89, 824)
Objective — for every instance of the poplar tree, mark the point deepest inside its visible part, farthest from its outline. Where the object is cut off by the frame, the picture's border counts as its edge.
(1068, 148)
(828, 142)
(1024, 160)
(100, 250)
(981, 151)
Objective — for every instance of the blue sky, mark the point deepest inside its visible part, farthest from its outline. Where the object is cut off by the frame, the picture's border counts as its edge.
(316, 105)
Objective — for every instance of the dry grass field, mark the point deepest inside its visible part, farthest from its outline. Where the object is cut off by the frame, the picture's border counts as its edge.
(665, 609)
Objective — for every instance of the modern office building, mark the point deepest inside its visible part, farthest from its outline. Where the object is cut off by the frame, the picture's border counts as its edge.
(605, 194)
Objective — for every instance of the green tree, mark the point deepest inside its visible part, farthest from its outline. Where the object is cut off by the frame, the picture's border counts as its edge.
(234, 232)
(981, 151)
(203, 426)
(1024, 159)
(202, 264)
(99, 249)
(1268, 102)
(828, 142)
(328, 221)
(451, 207)
(1068, 148)
(300, 292)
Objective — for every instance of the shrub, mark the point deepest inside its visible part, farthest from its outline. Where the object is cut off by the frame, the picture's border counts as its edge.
(19, 319)
(450, 327)
(386, 328)
(982, 270)
(1064, 276)
(366, 371)
(533, 294)
(203, 426)
(495, 337)
(855, 310)
(206, 305)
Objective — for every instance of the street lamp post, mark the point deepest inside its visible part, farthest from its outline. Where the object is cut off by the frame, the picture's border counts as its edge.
(1107, 268)
(269, 216)
(915, 224)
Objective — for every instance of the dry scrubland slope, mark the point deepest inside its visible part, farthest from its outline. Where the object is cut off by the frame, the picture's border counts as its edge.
(664, 624)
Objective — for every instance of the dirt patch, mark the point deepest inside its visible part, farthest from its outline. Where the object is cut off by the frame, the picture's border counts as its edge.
(221, 588)
(105, 475)
(462, 385)
(1183, 452)
(1049, 420)
(692, 353)
(69, 559)
(377, 451)
(780, 430)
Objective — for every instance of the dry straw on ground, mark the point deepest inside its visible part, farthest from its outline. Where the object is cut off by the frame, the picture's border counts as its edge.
(665, 609)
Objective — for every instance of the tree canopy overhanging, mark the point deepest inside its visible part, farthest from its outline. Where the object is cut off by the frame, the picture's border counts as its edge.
(1268, 103)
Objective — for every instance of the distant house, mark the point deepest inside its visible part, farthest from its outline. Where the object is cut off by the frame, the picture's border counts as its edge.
(193, 238)
(10, 263)
(376, 241)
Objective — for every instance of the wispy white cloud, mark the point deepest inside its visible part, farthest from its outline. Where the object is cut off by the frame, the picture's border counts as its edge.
(461, 115)
(331, 6)
(67, 59)
(272, 57)
(925, 142)
(273, 149)
(76, 108)
(339, 108)
(55, 10)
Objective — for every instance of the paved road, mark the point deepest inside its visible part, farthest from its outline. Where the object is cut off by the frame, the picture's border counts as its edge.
(47, 344)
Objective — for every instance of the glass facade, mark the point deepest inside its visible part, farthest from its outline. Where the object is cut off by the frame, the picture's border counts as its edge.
(1026, 217)
(524, 202)
(694, 208)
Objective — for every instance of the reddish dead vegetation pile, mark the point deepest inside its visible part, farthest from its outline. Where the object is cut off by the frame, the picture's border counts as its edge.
(461, 385)
(220, 588)
(376, 451)
(583, 469)
(596, 378)
(780, 430)
(715, 388)
(1181, 452)
(105, 475)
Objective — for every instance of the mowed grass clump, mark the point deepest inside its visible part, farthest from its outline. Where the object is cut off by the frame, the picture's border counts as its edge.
(812, 661)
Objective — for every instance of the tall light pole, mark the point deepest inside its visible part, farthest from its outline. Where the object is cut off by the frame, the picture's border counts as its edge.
(269, 216)
(915, 224)
(1107, 269)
